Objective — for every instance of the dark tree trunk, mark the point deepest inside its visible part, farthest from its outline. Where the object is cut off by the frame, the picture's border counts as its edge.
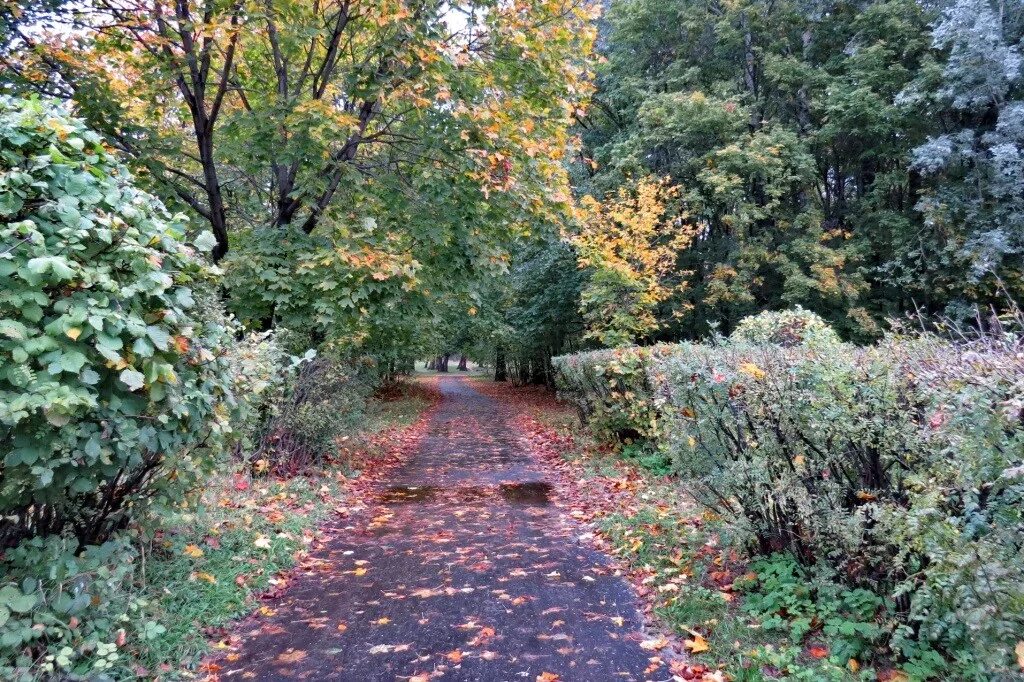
(432, 364)
(463, 367)
(500, 368)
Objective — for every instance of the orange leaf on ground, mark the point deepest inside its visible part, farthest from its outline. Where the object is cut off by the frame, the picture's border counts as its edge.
(291, 656)
(817, 651)
(548, 677)
(697, 645)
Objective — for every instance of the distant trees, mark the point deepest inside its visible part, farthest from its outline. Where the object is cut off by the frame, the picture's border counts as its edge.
(861, 160)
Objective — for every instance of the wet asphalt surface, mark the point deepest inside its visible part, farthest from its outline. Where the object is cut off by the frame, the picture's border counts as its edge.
(458, 569)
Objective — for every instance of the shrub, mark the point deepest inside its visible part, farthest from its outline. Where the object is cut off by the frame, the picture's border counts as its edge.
(895, 470)
(72, 617)
(611, 391)
(324, 398)
(785, 328)
(113, 398)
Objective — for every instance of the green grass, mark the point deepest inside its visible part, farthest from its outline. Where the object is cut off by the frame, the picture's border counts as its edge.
(190, 592)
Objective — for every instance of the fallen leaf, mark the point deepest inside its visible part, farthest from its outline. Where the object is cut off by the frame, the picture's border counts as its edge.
(192, 551)
(454, 656)
(342, 627)
(697, 644)
(262, 542)
(206, 578)
(291, 656)
(383, 621)
(1019, 650)
(817, 651)
(548, 677)
(654, 644)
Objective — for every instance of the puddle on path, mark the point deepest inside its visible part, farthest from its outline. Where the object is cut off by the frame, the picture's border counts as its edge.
(534, 492)
(408, 493)
(528, 492)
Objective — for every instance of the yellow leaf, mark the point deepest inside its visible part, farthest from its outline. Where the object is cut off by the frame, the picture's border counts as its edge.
(359, 571)
(1019, 650)
(206, 578)
(192, 551)
(697, 644)
(73, 333)
(753, 370)
(853, 665)
(548, 677)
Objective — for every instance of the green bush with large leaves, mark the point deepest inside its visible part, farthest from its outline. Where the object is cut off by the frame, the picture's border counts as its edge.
(114, 396)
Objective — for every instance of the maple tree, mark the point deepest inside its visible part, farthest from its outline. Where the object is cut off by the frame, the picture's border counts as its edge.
(340, 150)
(630, 242)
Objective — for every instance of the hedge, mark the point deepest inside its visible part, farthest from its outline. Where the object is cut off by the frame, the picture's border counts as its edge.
(898, 467)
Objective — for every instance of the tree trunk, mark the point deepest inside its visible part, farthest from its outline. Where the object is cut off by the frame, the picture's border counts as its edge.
(432, 364)
(462, 363)
(500, 368)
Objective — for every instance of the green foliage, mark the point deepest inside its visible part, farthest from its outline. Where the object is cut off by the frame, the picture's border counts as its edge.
(63, 608)
(785, 328)
(325, 399)
(113, 397)
(860, 160)
(786, 596)
(892, 473)
(611, 391)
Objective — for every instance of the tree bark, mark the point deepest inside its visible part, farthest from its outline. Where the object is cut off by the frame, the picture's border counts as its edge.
(462, 363)
(500, 367)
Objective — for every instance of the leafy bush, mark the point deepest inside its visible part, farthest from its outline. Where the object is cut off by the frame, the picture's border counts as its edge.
(113, 398)
(785, 328)
(611, 391)
(66, 610)
(896, 469)
(324, 398)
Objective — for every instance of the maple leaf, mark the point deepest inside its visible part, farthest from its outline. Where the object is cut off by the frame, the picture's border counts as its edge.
(697, 645)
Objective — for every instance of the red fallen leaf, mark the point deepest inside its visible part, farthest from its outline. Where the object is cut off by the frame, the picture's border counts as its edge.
(241, 483)
(122, 638)
(817, 651)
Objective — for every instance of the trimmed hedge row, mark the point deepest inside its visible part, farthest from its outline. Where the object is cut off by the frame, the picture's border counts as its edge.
(898, 467)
